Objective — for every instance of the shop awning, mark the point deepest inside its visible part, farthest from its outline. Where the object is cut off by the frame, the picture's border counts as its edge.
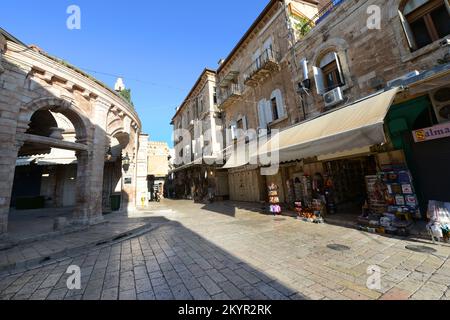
(352, 127)
(239, 154)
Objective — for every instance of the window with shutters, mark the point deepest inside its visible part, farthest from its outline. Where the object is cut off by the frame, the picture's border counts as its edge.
(425, 21)
(332, 76)
(328, 75)
(274, 106)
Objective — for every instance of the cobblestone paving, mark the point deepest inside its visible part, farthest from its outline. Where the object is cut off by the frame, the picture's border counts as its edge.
(219, 252)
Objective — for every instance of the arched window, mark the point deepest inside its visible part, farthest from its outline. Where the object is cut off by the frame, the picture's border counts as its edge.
(328, 74)
(425, 21)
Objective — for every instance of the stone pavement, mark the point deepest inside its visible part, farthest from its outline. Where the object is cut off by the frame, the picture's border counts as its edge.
(22, 253)
(220, 252)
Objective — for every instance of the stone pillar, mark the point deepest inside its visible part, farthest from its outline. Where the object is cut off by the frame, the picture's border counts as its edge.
(142, 172)
(90, 169)
(8, 158)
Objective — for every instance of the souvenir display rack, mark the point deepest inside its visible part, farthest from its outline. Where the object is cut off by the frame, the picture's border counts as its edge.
(274, 199)
(392, 202)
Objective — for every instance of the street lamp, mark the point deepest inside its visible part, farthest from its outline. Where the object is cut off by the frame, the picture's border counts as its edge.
(126, 162)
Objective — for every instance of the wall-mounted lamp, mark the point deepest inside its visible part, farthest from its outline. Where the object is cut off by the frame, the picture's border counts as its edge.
(126, 162)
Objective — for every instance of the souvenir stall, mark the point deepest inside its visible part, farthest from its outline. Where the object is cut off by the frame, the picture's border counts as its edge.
(310, 202)
(392, 204)
(439, 217)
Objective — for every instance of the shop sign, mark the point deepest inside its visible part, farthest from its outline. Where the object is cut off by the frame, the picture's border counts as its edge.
(128, 180)
(433, 133)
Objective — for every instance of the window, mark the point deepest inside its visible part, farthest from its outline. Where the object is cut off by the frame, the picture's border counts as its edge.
(328, 75)
(425, 21)
(215, 95)
(274, 106)
(332, 76)
(240, 124)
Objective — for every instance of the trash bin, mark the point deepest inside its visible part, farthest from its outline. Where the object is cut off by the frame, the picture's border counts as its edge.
(115, 202)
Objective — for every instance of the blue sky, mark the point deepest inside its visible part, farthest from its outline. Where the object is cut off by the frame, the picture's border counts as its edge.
(159, 47)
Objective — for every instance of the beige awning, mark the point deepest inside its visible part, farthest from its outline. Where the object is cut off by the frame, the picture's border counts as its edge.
(352, 127)
(239, 154)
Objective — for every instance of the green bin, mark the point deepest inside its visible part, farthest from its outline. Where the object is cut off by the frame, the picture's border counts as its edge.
(115, 202)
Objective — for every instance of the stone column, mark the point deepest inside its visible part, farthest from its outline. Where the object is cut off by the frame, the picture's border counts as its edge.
(8, 158)
(90, 169)
(142, 172)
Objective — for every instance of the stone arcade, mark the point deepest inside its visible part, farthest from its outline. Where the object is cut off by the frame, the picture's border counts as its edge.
(35, 89)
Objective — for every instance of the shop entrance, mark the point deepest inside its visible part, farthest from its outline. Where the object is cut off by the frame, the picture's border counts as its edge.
(432, 172)
(348, 184)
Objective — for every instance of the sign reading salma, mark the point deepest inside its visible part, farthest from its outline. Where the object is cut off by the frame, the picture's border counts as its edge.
(433, 133)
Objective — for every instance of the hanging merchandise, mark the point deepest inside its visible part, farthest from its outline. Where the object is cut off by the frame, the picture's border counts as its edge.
(439, 216)
(307, 190)
(274, 199)
(392, 202)
(329, 196)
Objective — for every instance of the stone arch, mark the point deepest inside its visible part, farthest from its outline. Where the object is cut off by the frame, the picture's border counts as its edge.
(67, 108)
(341, 47)
(338, 45)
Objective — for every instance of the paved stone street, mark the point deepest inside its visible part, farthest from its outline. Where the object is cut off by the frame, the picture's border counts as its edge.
(221, 252)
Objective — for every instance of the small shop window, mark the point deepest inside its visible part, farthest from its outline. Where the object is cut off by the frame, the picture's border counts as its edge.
(425, 21)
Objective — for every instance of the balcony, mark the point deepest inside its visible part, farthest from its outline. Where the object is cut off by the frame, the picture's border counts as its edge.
(306, 25)
(261, 68)
(229, 94)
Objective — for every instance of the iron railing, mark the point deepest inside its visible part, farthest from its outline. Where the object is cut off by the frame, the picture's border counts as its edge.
(233, 90)
(267, 56)
(324, 12)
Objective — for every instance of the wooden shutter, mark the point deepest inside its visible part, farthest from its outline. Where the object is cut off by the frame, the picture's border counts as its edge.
(244, 123)
(339, 66)
(269, 116)
(233, 130)
(262, 114)
(320, 80)
(280, 103)
(408, 32)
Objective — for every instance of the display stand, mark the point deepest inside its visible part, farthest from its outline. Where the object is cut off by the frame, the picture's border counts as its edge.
(274, 199)
(392, 202)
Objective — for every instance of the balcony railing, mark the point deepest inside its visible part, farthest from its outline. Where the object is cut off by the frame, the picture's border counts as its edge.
(308, 24)
(228, 94)
(266, 63)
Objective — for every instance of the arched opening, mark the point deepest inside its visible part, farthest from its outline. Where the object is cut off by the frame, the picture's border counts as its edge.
(45, 185)
(113, 197)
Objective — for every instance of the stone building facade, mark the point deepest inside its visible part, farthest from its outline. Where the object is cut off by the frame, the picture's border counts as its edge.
(33, 86)
(198, 141)
(255, 87)
(303, 63)
(158, 167)
(381, 45)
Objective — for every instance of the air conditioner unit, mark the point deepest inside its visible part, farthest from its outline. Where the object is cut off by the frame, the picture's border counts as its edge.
(441, 103)
(333, 97)
(401, 80)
